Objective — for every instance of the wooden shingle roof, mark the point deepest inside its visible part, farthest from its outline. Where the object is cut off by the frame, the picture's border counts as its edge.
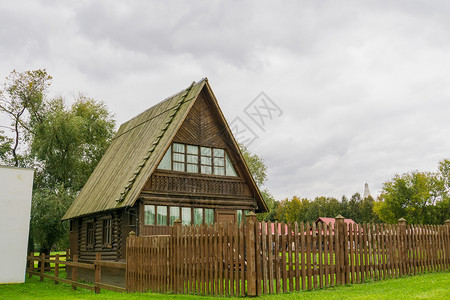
(134, 154)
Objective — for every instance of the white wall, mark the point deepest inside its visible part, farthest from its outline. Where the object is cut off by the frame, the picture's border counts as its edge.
(16, 187)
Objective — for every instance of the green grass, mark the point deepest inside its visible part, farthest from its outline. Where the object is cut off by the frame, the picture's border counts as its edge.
(52, 265)
(426, 286)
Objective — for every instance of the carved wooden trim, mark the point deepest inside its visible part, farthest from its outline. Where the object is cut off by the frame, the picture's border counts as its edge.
(197, 185)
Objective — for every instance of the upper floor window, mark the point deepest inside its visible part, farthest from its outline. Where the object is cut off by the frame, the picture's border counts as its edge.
(197, 159)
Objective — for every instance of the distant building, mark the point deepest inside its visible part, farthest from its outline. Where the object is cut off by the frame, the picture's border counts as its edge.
(333, 221)
(366, 190)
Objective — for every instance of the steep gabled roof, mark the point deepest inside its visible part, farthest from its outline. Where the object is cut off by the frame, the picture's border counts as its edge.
(136, 151)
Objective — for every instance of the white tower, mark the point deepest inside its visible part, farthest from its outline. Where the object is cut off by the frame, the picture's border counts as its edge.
(366, 190)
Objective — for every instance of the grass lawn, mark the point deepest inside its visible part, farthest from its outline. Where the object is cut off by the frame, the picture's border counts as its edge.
(427, 286)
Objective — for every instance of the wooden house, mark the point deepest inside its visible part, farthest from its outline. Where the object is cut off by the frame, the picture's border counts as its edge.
(176, 160)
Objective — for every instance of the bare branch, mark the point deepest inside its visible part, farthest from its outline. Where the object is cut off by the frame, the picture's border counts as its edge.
(10, 128)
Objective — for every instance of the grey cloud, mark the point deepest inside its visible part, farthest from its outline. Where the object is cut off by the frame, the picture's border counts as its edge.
(363, 85)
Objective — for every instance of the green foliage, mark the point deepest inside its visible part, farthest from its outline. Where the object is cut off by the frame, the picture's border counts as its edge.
(71, 141)
(304, 210)
(48, 207)
(256, 165)
(419, 197)
(5, 148)
(63, 144)
(22, 100)
(258, 169)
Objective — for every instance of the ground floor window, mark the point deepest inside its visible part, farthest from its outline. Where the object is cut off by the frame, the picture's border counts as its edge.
(149, 215)
(240, 215)
(166, 215)
(174, 214)
(209, 216)
(161, 215)
(198, 216)
(90, 235)
(186, 216)
(107, 232)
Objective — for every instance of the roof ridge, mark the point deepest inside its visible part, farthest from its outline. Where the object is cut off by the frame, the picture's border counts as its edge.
(155, 143)
(165, 99)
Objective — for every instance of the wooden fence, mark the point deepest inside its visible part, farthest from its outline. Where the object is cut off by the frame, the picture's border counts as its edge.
(59, 263)
(263, 258)
(34, 256)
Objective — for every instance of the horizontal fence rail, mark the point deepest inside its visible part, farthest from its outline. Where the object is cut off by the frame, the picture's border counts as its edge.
(257, 258)
(58, 262)
(64, 255)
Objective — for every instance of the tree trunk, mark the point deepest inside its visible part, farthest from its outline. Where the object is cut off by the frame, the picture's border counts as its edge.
(30, 247)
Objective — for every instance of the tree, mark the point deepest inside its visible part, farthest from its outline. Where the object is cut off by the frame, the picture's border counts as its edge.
(5, 148)
(69, 142)
(48, 207)
(296, 209)
(419, 197)
(258, 169)
(367, 214)
(22, 99)
(63, 144)
(256, 166)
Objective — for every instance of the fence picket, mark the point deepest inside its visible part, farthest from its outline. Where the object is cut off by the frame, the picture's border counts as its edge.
(283, 256)
(314, 254)
(289, 247)
(332, 254)
(297, 263)
(236, 257)
(320, 246)
(302, 254)
(264, 256)
(277, 259)
(326, 246)
(258, 266)
(308, 255)
(270, 262)
(242, 242)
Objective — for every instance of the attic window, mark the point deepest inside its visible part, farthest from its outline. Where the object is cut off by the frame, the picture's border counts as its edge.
(196, 159)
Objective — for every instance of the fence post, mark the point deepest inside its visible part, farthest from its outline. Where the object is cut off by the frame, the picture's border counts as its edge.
(402, 250)
(74, 271)
(56, 267)
(339, 230)
(129, 270)
(98, 272)
(251, 253)
(42, 266)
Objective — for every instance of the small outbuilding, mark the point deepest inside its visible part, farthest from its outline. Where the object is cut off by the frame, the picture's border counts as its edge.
(16, 187)
(333, 220)
(176, 160)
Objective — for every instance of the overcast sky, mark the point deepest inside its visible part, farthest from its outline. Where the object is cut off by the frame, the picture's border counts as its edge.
(362, 87)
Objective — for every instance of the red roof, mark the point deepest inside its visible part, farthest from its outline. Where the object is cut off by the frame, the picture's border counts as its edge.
(333, 220)
(272, 227)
